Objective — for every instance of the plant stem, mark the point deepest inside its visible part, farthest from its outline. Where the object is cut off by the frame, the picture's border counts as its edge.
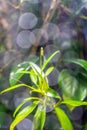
(41, 57)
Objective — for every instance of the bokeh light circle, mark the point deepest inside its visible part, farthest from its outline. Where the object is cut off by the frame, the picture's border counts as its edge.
(27, 20)
(44, 36)
(53, 77)
(52, 30)
(25, 124)
(19, 97)
(25, 39)
(77, 113)
(66, 44)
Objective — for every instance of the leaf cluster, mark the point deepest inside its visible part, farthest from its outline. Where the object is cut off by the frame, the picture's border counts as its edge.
(45, 94)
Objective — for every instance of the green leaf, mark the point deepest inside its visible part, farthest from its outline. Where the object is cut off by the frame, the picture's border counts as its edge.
(81, 62)
(80, 92)
(17, 86)
(49, 70)
(2, 118)
(83, 17)
(23, 102)
(39, 118)
(22, 114)
(82, 89)
(3, 111)
(68, 84)
(33, 77)
(43, 84)
(52, 93)
(85, 126)
(63, 119)
(35, 68)
(16, 74)
(74, 103)
(12, 88)
(48, 60)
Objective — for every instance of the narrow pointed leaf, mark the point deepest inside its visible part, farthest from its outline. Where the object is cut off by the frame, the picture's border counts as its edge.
(49, 70)
(12, 88)
(43, 84)
(17, 86)
(39, 118)
(52, 93)
(35, 67)
(33, 77)
(19, 106)
(74, 103)
(63, 119)
(23, 102)
(23, 114)
(49, 59)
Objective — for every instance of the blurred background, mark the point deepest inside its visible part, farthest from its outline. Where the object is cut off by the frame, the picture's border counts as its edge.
(27, 25)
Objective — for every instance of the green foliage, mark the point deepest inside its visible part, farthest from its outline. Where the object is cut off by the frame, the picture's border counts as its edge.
(72, 87)
(39, 118)
(69, 85)
(81, 62)
(45, 95)
(21, 115)
(64, 120)
(2, 114)
(74, 82)
(16, 74)
(74, 103)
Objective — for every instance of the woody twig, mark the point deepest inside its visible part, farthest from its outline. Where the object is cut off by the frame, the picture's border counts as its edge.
(51, 11)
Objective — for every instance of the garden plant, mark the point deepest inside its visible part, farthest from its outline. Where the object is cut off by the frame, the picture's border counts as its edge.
(42, 95)
(50, 92)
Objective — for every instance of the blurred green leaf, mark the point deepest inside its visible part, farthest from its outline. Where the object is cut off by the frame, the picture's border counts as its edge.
(85, 126)
(39, 118)
(24, 113)
(68, 84)
(63, 119)
(2, 118)
(83, 17)
(2, 114)
(73, 88)
(82, 88)
(81, 62)
(2, 108)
